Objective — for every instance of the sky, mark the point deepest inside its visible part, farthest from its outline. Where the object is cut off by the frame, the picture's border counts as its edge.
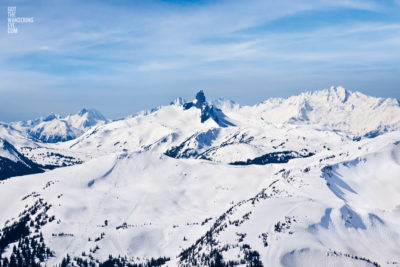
(123, 56)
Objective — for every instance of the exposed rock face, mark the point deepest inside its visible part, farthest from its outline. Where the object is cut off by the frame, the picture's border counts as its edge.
(208, 110)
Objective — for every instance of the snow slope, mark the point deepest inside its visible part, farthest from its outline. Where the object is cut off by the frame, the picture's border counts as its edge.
(155, 206)
(13, 163)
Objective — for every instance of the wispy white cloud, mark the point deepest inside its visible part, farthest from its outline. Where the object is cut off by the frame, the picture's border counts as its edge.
(103, 44)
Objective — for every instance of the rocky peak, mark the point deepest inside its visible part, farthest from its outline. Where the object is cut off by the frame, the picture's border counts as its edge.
(201, 98)
(208, 110)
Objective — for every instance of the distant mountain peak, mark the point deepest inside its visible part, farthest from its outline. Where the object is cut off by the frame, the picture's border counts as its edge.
(179, 101)
(225, 104)
(340, 92)
(85, 119)
(82, 112)
(93, 113)
(50, 117)
(201, 98)
(55, 128)
(334, 108)
(208, 110)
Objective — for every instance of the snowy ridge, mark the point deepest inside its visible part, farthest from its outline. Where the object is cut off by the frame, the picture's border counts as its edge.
(54, 128)
(54, 131)
(335, 109)
(7, 151)
(13, 163)
(85, 119)
(311, 180)
(46, 156)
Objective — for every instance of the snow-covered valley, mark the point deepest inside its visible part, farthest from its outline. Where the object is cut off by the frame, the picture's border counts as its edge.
(311, 180)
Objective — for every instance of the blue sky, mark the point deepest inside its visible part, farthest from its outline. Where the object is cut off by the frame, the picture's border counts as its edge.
(123, 56)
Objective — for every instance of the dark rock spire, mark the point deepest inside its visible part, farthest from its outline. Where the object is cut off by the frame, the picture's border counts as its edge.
(208, 110)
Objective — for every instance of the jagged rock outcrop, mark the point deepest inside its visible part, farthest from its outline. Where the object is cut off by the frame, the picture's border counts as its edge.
(208, 110)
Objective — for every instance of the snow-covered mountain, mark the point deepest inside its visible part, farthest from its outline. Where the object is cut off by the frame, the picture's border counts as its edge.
(85, 119)
(13, 163)
(55, 128)
(311, 180)
(208, 111)
(335, 109)
(20, 155)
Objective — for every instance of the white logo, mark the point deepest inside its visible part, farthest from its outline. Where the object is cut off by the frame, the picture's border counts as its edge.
(13, 19)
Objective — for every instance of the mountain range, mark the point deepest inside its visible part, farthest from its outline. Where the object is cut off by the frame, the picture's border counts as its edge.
(55, 128)
(309, 180)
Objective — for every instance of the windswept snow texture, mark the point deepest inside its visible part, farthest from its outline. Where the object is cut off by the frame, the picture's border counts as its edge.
(312, 180)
